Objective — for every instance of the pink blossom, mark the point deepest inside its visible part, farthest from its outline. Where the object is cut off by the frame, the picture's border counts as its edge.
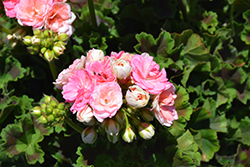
(146, 74)
(9, 6)
(95, 55)
(60, 18)
(106, 100)
(32, 12)
(102, 71)
(136, 97)
(163, 106)
(63, 77)
(78, 90)
(121, 68)
(86, 116)
(121, 55)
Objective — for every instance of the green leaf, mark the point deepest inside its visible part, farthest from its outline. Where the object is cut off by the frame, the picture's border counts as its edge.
(195, 51)
(161, 46)
(244, 127)
(199, 114)
(24, 137)
(80, 162)
(183, 107)
(10, 70)
(219, 123)
(245, 34)
(209, 22)
(208, 143)
(188, 147)
(178, 127)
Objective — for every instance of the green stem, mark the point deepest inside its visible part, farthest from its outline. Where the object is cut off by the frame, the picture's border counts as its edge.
(183, 9)
(126, 117)
(92, 12)
(5, 30)
(231, 17)
(73, 125)
(53, 69)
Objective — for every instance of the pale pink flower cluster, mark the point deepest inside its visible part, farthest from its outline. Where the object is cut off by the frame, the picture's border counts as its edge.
(98, 86)
(49, 14)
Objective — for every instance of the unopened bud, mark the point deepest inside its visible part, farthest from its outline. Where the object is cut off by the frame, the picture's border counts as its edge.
(61, 106)
(111, 127)
(51, 118)
(53, 102)
(46, 33)
(36, 111)
(146, 130)
(89, 135)
(49, 109)
(58, 50)
(147, 115)
(47, 99)
(42, 120)
(36, 32)
(49, 55)
(129, 135)
(113, 138)
(119, 117)
(35, 40)
(27, 40)
(43, 50)
(62, 37)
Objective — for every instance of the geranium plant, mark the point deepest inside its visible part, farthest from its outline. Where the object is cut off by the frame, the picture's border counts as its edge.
(124, 83)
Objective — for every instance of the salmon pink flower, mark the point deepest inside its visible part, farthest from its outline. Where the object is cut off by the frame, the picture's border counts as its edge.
(9, 6)
(60, 18)
(63, 77)
(78, 90)
(163, 106)
(32, 12)
(106, 100)
(102, 71)
(146, 74)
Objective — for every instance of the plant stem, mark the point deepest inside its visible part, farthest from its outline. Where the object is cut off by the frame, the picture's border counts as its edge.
(92, 12)
(73, 125)
(183, 9)
(5, 30)
(231, 17)
(53, 69)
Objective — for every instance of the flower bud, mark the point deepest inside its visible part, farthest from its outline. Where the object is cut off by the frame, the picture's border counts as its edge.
(49, 109)
(27, 40)
(42, 120)
(46, 33)
(43, 50)
(146, 130)
(36, 32)
(61, 106)
(86, 116)
(36, 111)
(49, 55)
(58, 49)
(119, 117)
(51, 118)
(62, 37)
(111, 127)
(89, 135)
(47, 99)
(49, 42)
(95, 55)
(121, 68)
(147, 114)
(53, 102)
(113, 138)
(35, 40)
(129, 135)
(136, 97)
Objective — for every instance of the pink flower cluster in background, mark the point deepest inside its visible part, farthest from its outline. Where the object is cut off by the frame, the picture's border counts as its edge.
(98, 86)
(49, 14)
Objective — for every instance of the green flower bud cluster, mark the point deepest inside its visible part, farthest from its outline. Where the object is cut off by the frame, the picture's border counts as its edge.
(48, 44)
(50, 111)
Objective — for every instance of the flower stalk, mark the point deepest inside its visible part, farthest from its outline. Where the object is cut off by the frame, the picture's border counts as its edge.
(92, 12)
(73, 125)
(53, 70)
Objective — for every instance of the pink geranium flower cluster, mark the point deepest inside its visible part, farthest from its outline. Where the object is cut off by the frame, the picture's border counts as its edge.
(99, 86)
(49, 14)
